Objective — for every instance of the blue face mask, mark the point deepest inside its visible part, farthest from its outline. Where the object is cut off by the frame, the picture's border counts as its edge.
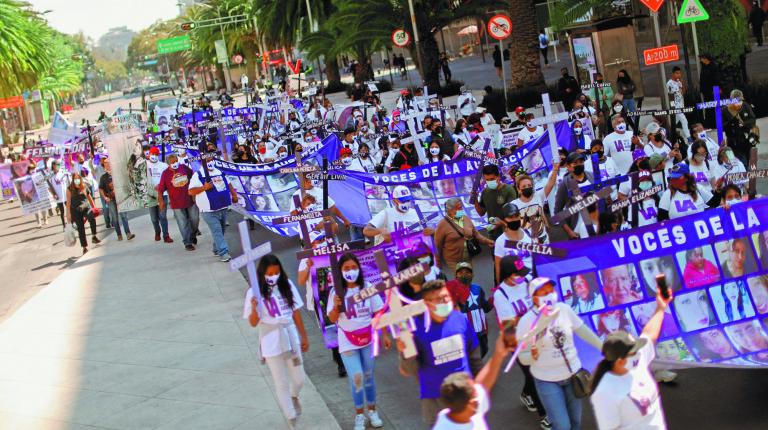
(460, 214)
(492, 184)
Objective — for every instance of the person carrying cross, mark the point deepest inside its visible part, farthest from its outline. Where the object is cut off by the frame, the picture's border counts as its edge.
(313, 191)
(395, 218)
(579, 177)
(493, 197)
(449, 345)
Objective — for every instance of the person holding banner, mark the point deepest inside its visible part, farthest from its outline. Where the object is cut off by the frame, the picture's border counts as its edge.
(355, 339)
(175, 181)
(59, 183)
(494, 196)
(683, 197)
(398, 217)
(79, 208)
(514, 231)
(273, 305)
(553, 356)
(213, 195)
(727, 163)
(624, 394)
(618, 145)
(107, 192)
(576, 176)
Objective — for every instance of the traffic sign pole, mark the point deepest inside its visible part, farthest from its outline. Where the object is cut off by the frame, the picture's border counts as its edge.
(695, 49)
(504, 73)
(500, 27)
(663, 75)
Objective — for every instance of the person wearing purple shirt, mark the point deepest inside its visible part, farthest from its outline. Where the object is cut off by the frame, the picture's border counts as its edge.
(450, 345)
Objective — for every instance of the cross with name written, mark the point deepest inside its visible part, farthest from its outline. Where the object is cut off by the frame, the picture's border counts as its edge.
(325, 175)
(301, 169)
(717, 104)
(301, 217)
(399, 316)
(549, 119)
(423, 221)
(484, 159)
(249, 256)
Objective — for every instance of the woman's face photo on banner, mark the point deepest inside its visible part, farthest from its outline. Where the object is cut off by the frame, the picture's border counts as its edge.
(748, 336)
(699, 266)
(760, 240)
(736, 257)
(445, 188)
(674, 350)
(711, 345)
(615, 319)
(264, 203)
(731, 301)
(620, 284)
(660, 265)
(257, 185)
(643, 313)
(693, 311)
(758, 287)
(582, 292)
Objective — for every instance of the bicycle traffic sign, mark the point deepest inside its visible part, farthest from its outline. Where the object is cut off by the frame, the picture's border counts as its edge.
(499, 27)
(692, 11)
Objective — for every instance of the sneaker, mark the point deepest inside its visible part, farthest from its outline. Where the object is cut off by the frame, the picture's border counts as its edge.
(167, 239)
(545, 424)
(39, 225)
(296, 405)
(373, 417)
(157, 237)
(189, 247)
(359, 422)
(119, 237)
(527, 401)
(95, 240)
(663, 375)
(131, 236)
(225, 257)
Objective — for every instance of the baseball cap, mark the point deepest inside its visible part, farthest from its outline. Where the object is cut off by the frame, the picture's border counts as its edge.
(154, 151)
(464, 265)
(519, 110)
(679, 170)
(655, 160)
(345, 151)
(652, 128)
(638, 154)
(574, 156)
(619, 344)
(537, 283)
(510, 265)
(402, 193)
(510, 210)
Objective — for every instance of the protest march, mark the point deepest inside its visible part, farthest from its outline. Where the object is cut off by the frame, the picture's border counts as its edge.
(412, 255)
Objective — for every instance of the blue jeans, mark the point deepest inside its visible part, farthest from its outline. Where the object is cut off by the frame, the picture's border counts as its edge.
(105, 210)
(123, 218)
(159, 217)
(187, 219)
(359, 365)
(563, 408)
(217, 221)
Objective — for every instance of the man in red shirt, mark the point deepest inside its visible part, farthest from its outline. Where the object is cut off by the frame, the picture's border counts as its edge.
(175, 180)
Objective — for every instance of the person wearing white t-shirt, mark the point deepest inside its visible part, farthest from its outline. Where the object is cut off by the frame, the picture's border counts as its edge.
(530, 132)
(468, 400)
(700, 166)
(648, 209)
(59, 182)
(683, 197)
(656, 143)
(676, 90)
(273, 306)
(513, 231)
(534, 218)
(553, 355)
(618, 145)
(624, 393)
(158, 215)
(355, 338)
(396, 218)
(699, 133)
(725, 164)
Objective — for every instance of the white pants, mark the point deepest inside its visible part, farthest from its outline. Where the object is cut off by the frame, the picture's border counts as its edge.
(684, 124)
(288, 379)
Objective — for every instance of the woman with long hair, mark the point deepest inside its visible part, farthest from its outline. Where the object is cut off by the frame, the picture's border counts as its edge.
(624, 394)
(683, 197)
(273, 307)
(733, 296)
(626, 87)
(80, 207)
(586, 298)
(355, 338)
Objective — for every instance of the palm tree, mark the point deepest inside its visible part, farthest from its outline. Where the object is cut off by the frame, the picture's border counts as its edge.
(524, 50)
(23, 37)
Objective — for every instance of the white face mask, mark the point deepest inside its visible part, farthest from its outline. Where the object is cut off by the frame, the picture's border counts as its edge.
(529, 124)
(403, 207)
(645, 185)
(618, 108)
(77, 182)
(699, 157)
(175, 165)
(346, 161)
(733, 202)
(444, 309)
(153, 158)
(315, 183)
(632, 363)
(351, 275)
(703, 135)
(549, 300)
(577, 130)
(434, 151)
(621, 127)
(394, 150)
(272, 280)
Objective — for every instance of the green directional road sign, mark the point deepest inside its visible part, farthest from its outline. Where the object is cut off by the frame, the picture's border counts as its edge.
(692, 11)
(174, 44)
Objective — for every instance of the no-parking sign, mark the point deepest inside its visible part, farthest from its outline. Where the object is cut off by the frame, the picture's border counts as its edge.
(401, 38)
(499, 27)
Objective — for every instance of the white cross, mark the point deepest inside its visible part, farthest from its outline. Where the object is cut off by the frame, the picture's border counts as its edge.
(550, 120)
(400, 316)
(249, 255)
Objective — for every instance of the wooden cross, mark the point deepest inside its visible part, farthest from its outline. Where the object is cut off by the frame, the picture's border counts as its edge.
(536, 248)
(325, 176)
(399, 316)
(302, 217)
(550, 120)
(717, 104)
(249, 256)
(423, 221)
(483, 159)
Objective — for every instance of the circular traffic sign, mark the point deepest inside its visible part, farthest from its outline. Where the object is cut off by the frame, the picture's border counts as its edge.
(499, 27)
(237, 59)
(401, 38)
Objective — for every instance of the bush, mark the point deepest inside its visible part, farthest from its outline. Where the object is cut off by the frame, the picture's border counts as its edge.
(337, 87)
(756, 93)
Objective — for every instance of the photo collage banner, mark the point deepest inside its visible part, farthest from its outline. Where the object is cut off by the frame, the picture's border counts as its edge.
(716, 264)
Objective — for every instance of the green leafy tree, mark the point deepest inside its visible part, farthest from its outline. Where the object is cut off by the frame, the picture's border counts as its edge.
(23, 49)
(724, 37)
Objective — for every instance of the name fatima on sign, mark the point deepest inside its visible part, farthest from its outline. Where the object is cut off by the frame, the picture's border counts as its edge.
(396, 316)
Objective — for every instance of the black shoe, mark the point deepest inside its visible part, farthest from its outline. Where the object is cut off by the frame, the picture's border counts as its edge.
(194, 240)
(342, 371)
(189, 247)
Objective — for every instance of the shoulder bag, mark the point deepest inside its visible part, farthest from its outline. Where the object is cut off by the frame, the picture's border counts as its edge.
(473, 245)
(581, 379)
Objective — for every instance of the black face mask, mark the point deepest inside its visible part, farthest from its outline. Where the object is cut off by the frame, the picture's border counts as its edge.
(599, 154)
(514, 225)
(592, 207)
(644, 165)
(578, 170)
(527, 192)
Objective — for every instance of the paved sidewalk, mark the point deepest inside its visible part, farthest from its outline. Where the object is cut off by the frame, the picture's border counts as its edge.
(140, 335)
